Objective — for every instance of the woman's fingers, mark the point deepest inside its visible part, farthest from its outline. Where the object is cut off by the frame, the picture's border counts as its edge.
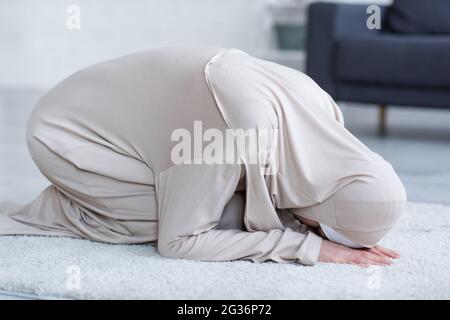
(380, 251)
(336, 253)
(377, 252)
(381, 260)
(366, 258)
(387, 252)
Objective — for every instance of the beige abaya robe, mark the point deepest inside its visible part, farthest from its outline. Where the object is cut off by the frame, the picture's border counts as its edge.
(104, 137)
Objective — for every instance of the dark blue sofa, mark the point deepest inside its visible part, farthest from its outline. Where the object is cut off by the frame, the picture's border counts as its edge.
(405, 63)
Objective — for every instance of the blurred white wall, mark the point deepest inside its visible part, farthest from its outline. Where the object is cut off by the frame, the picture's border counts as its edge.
(37, 49)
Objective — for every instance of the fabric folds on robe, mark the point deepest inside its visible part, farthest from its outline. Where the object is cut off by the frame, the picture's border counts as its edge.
(104, 139)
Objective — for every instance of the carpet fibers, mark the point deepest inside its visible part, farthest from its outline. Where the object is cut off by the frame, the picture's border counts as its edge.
(50, 267)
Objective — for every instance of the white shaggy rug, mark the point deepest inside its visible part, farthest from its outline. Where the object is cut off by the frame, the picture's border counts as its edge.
(68, 268)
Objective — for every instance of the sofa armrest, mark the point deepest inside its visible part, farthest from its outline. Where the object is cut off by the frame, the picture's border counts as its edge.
(327, 23)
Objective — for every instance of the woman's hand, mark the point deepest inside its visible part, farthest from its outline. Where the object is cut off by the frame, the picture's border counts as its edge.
(336, 253)
(381, 251)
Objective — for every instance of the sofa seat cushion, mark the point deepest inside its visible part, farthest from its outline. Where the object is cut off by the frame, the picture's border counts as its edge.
(420, 16)
(392, 59)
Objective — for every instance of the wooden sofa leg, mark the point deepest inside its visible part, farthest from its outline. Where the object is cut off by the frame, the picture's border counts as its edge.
(382, 113)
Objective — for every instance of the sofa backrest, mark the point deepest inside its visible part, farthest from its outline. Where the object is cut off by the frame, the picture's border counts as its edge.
(420, 16)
